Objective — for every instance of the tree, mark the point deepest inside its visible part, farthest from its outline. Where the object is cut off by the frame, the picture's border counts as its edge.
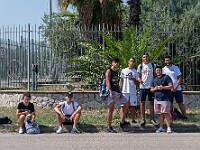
(94, 12)
(135, 10)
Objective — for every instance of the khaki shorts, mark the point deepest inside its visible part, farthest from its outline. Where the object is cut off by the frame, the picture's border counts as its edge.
(161, 107)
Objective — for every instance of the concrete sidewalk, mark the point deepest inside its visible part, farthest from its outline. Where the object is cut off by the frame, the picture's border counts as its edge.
(90, 128)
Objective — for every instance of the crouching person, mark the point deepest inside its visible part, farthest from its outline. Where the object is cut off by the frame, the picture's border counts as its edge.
(68, 112)
(25, 110)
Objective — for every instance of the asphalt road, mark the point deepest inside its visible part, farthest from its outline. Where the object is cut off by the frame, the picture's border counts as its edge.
(101, 141)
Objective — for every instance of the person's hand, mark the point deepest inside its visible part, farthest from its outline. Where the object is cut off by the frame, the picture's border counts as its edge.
(63, 117)
(140, 81)
(112, 96)
(160, 87)
(71, 117)
(175, 89)
(26, 113)
(32, 120)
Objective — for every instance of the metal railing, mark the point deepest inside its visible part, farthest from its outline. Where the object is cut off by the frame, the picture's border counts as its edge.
(31, 56)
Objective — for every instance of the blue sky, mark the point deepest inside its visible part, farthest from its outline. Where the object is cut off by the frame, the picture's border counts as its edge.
(22, 12)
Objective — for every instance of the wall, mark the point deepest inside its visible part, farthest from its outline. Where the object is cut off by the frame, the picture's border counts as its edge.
(87, 99)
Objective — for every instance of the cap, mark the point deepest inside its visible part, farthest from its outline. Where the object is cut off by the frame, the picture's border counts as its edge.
(145, 53)
(70, 94)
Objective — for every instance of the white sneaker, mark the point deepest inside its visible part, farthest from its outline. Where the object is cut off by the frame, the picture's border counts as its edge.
(21, 130)
(169, 130)
(60, 130)
(160, 130)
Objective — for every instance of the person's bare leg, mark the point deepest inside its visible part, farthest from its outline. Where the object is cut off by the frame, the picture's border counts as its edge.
(151, 104)
(161, 120)
(76, 119)
(123, 112)
(133, 113)
(167, 118)
(110, 113)
(142, 110)
(183, 109)
(21, 121)
(60, 120)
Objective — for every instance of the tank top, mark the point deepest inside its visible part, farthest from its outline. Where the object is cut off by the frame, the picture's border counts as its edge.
(114, 81)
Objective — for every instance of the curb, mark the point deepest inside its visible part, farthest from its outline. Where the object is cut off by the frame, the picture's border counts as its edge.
(90, 128)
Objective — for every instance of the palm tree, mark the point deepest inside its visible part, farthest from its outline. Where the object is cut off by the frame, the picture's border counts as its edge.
(135, 10)
(94, 12)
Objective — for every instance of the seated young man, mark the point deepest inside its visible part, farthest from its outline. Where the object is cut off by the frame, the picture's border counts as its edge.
(24, 109)
(68, 112)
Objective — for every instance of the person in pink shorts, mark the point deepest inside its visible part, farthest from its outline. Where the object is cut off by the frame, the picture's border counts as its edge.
(161, 87)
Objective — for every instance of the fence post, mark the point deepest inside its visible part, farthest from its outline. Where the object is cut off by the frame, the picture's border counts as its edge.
(29, 49)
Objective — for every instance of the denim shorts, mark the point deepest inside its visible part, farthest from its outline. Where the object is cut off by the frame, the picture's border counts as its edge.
(144, 93)
(178, 96)
(117, 99)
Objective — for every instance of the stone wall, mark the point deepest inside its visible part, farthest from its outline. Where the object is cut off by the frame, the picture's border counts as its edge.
(87, 99)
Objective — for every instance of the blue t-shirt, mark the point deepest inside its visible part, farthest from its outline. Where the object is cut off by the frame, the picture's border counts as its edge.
(162, 95)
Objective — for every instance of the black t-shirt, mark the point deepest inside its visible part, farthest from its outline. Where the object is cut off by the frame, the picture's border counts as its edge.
(30, 108)
(114, 81)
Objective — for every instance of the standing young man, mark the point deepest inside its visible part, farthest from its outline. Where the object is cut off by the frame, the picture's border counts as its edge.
(145, 78)
(174, 73)
(24, 109)
(68, 111)
(115, 95)
(161, 87)
(128, 82)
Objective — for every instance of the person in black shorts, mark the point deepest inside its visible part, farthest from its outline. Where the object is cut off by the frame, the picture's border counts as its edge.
(68, 112)
(24, 109)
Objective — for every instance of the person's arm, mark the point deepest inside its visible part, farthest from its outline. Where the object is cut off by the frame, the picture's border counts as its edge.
(121, 82)
(32, 116)
(178, 83)
(78, 110)
(108, 77)
(168, 87)
(57, 109)
(18, 113)
(140, 77)
(153, 89)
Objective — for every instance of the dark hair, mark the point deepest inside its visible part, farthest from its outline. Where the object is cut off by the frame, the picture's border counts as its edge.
(168, 56)
(145, 53)
(116, 59)
(132, 58)
(27, 95)
(158, 66)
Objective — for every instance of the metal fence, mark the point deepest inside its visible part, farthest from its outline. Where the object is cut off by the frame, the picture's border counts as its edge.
(30, 59)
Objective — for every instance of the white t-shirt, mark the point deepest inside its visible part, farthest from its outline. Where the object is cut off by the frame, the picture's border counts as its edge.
(173, 72)
(129, 85)
(147, 75)
(68, 109)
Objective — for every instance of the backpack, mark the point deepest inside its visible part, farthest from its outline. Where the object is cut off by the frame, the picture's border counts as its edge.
(5, 120)
(152, 67)
(103, 90)
(31, 128)
(176, 114)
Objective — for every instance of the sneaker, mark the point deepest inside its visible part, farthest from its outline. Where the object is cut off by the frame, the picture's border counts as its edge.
(160, 130)
(143, 122)
(125, 123)
(169, 130)
(133, 121)
(60, 130)
(75, 131)
(110, 130)
(153, 122)
(21, 130)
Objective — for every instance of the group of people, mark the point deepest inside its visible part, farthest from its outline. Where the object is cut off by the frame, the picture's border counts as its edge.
(68, 112)
(160, 84)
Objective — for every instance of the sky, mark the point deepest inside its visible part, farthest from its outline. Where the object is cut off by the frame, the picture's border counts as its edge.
(22, 12)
